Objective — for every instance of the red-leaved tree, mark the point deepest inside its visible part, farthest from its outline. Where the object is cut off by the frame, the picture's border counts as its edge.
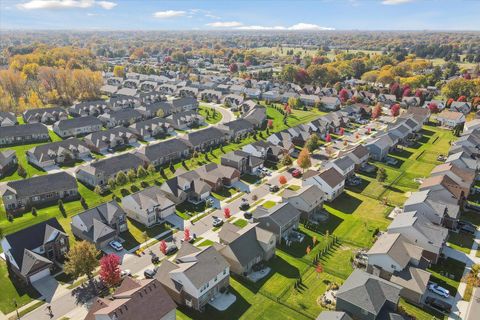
(341, 131)
(449, 102)
(377, 111)
(226, 213)
(433, 107)
(462, 99)
(233, 67)
(328, 138)
(110, 270)
(395, 110)
(163, 247)
(343, 95)
(282, 179)
(270, 123)
(186, 234)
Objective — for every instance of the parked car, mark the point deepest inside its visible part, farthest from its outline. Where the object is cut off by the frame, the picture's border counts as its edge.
(467, 228)
(367, 168)
(125, 273)
(150, 273)
(290, 170)
(247, 215)
(435, 288)
(171, 249)
(296, 173)
(155, 259)
(244, 206)
(391, 161)
(441, 157)
(439, 304)
(217, 222)
(274, 188)
(117, 246)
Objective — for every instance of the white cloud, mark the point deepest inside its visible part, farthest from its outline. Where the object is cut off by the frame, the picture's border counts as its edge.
(395, 2)
(225, 24)
(296, 27)
(168, 14)
(64, 4)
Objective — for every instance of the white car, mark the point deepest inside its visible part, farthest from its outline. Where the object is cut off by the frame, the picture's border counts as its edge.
(125, 273)
(116, 245)
(435, 288)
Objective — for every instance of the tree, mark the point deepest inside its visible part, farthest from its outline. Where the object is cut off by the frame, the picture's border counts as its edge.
(160, 113)
(286, 160)
(343, 95)
(233, 68)
(282, 180)
(111, 183)
(328, 138)
(462, 99)
(81, 260)
(110, 270)
(308, 250)
(377, 111)
(433, 107)
(304, 160)
(226, 213)
(341, 131)
(381, 175)
(312, 143)
(119, 71)
(293, 102)
(151, 169)
(98, 190)
(270, 124)
(395, 110)
(121, 178)
(319, 268)
(186, 234)
(163, 247)
(141, 173)
(21, 171)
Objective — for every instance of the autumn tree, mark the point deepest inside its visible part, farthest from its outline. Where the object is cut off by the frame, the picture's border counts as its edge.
(312, 143)
(381, 175)
(343, 95)
(282, 180)
(377, 111)
(328, 138)
(110, 270)
(395, 110)
(304, 160)
(433, 107)
(286, 160)
(186, 234)
(226, 213)
(81, 260)
(270, 124)
(163, 247)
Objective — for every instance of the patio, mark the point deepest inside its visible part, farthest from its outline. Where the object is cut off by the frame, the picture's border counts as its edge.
(222, 301)
(259, 275)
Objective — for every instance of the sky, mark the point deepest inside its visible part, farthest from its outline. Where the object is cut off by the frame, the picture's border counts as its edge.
(240, 14)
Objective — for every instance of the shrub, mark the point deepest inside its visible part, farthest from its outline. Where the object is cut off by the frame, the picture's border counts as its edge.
(134, 188)
(83, 203)
(124, 192)
(34, 211)
(144, 184)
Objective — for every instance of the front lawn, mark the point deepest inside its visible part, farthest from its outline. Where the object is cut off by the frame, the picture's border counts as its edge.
(241, 223)
(211, 115)
(9, 292)
(461, 241)
(447, 273)
(269, 204)
(419, 313)
(224, 193)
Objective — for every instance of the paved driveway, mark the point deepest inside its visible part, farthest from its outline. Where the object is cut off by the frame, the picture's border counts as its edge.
(48, 287)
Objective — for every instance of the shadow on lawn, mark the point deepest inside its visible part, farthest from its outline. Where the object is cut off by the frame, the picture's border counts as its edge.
(426, 132)
(358, 188)
(235, 311)
(402, 153)
(345, 203)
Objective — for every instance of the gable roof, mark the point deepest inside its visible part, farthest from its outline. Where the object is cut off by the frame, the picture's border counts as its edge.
(59, 181)
(23, 130)
(397, 247)
(79, 122)
(332, 177)
(281, 213)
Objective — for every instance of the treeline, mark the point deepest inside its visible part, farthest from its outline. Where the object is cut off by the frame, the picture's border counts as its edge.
(49, 76)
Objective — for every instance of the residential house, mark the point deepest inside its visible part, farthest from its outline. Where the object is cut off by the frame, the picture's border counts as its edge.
(330, 181)
(195, 277)
(272, 96)
(8, 119)
(135, 299)
(424, 113)
(366, 97)
(149, 206)
(368, 297)
(103, 141)
(21, 195)
(310, 99)
(253, 93)
(359, 155)
(243, 161)
(471, 140)
(387, 99)
(380, 146)
(410, 102)
(344, 165)
(98, 173)
(164, 152)
(308, 200)
(450, 119)
(464, 160)
(123, 117)
(425, 205)
(161, 109)
(469, 126)
(186, 119)
(8, 162)
(44, 115)
(23, 134)
(100, 225)
(218, 176)
(233, 100)
(281, 219)
(233, 241)
(287, 95)
(58, 153)
(77, 126)
(256, 116)
(333, 315)
(463, 177)
(184, 104)
(88, 108)
(151, 128)
(211, 96)
(187, 92)
(32, 253)
(462, 107)
(421, 232)
(237, 129)
(330, 103)
(260, 149)
(205, 139)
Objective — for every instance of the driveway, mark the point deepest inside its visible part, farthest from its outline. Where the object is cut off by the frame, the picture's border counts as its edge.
(175, 221)
(242, 186)
(48, 287)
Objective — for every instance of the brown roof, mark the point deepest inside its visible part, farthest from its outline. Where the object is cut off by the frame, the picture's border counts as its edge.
(451, 115)
(332, 177)
(466, 175)
(454, 188)
(134, 299)
(310, 173)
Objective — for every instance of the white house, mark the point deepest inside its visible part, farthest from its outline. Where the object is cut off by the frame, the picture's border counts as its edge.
(450, 118)
(329, 181)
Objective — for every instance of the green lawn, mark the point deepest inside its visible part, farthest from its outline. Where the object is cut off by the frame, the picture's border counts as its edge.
(419, 313)
(447, 273)
(224, 193)
(211, 115)
(241, 223)
(269, 204)
(461, 241)
(9, 292)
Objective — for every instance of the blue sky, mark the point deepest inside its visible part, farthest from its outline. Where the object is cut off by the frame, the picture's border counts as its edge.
(240, 14)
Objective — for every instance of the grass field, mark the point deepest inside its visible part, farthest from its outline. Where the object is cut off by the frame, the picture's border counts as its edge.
(211, 116)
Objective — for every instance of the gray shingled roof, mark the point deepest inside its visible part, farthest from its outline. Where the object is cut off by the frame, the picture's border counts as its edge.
(23, 130)
(37, 185)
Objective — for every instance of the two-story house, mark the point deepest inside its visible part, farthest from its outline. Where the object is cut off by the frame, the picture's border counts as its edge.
(330, 181)
(280, 219)
(308, 199)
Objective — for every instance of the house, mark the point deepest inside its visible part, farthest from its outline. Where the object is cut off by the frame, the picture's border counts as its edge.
(281, 219)
(242, 161)
(463, 177)
(421, 232)
(98, 173)
(368, 297)
(308, 200)
(44, 115)
(287, 95)
(233, 100)
(164, 152)
(77, 126)
(310, 99)
(330, 181)
(8, 119)
(471, 125)
(464, 160)
(359, 155)
(423, 113)
(158, 109)
(366, 97)
(211, 96)
(186, 119)
(446, 187)
(256, 116)
(187, 92)
(88, 108)
(462, 107)
(333, 315)
(237, 129)
(425, 205)
(344, 165)
(32, 253)
(380, 146)
(102, 141)
(23, 134)
(330, 103)
(151, 128)
(195, 277)
(260, 149)
(184, 104)
(58, 153)
(21, 195)
(8, 162)
(123, 117)
(205, 139)
(252, 93)
(186, 186)
(135, 300)
(100, 225)
(149, 206)
(468, 140)
(450, 119)
(388, 99)
(272, 96)
(410, 102)
(218, 176)
(233, 241)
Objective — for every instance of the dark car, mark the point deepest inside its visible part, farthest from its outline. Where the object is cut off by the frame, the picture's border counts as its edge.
(171, 249)
(150, 273)
(467, 228)
(290, 170)
(244, 206)
(155, 259)
(247, 215)
(439, 304)
(273, 188)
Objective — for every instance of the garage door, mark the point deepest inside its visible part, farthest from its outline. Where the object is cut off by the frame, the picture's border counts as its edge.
(39, 275)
